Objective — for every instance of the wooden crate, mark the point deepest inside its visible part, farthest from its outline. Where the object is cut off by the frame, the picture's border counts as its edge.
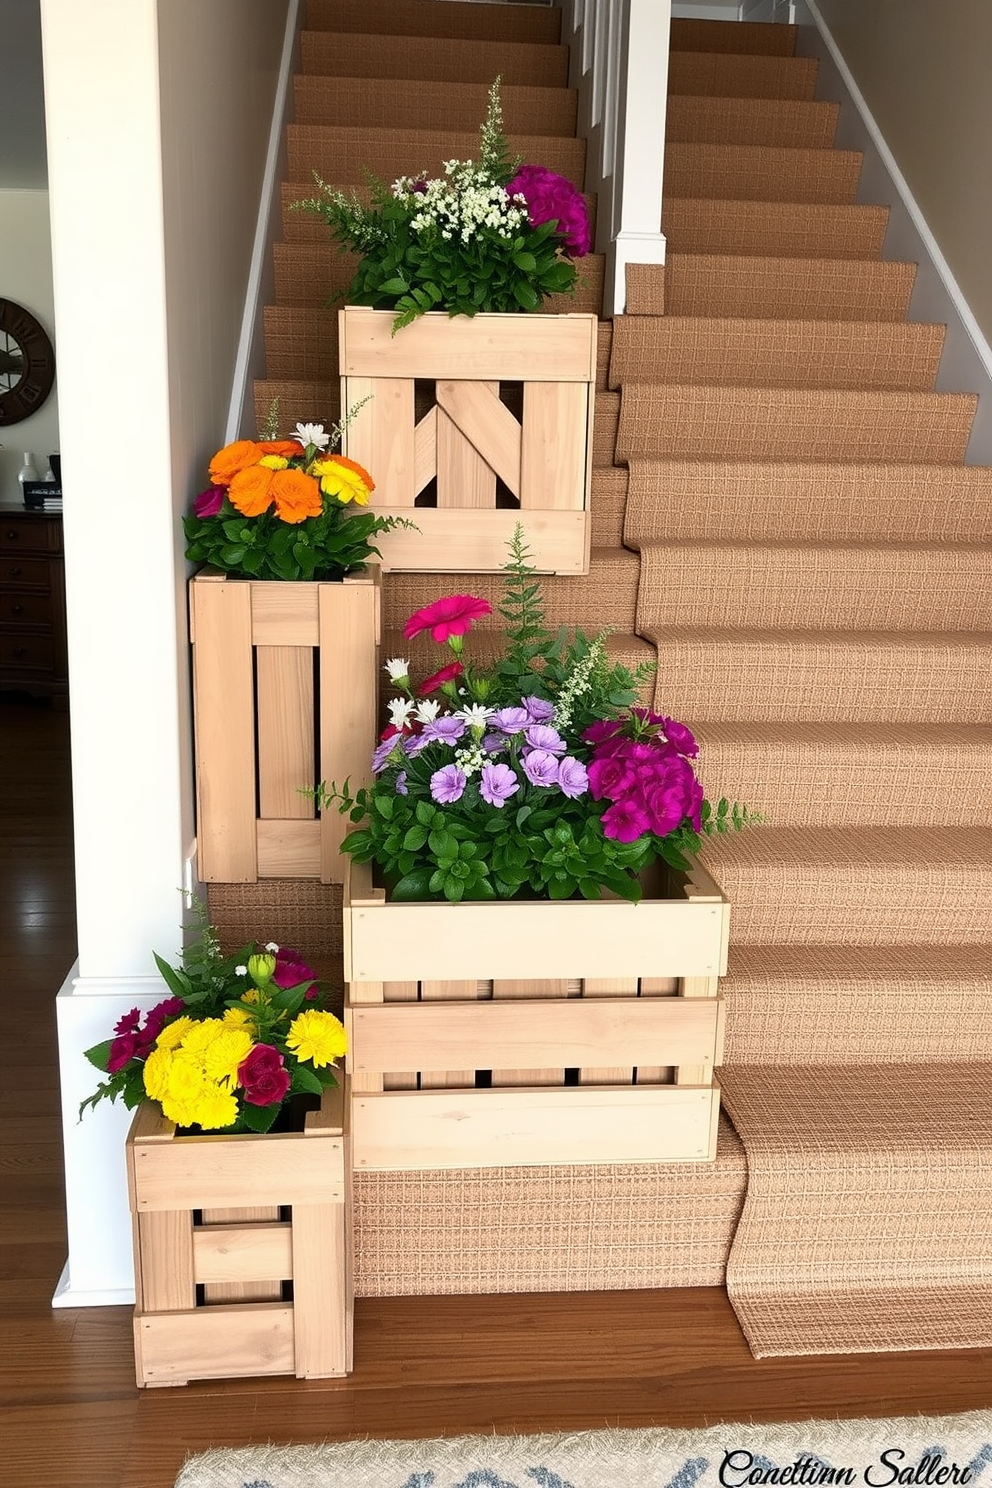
(518, 994)
(469, 437)
(212, 1250)
(284, 695)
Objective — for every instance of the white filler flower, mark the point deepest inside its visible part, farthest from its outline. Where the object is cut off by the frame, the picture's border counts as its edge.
(312, 434)
(398, 668)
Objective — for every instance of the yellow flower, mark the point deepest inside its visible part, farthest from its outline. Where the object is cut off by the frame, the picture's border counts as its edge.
(252, 995)
(228, 1050)
(239, 1017)
(173, 1033)
(198, 1038)
(185, 1082)
(318, 1037)
(181, 1112)
(344, 479)
(156, 1073)
(273, 462)
(216, 1108)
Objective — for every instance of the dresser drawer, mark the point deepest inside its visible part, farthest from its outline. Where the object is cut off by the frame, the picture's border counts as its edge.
(31, 573)
(25, 607)
(29, 532)
(30, 652)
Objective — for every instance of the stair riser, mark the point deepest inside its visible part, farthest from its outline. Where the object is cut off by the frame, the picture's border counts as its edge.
(901, 904)
(792, 424)
(818, 680)
(754, 173)
(783, 288)
(412, 18)
(818, 785)
(772, 1026)
(672, 501)
(716, 75)
(778, 229)
(778, 354)
(750, 121)
(434, 60)
(743, 38)
(410, 105)
(606, 597)
(816, 588)
(344, 155)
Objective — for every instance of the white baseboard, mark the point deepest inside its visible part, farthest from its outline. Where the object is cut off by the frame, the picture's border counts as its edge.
(110, 1297)
(966, 364)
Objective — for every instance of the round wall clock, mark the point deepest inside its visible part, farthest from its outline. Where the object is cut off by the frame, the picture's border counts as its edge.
(27, 363)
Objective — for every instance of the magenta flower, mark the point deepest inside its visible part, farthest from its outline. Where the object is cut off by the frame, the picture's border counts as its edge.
(603, 731)
(291, 969)
(678, 735)
(665, 806)
(451, 616)
(573, 779)
(552, 198)
(123, 1049)
(541, 768)
(625, 821)
(264, 1076)
(498, 784)
(446, 674)
(209, 502)
(611, 777)
(129, 1023)
(448, 785)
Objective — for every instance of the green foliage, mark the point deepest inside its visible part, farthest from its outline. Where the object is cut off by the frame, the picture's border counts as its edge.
(264, 547)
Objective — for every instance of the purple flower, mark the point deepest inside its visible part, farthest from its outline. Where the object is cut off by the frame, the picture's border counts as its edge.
(497, 784)
(209, 502)
(447, 785)
(444, 730)
(550, 196)
(511, 720)
(625, 821)
(541, 768)
(539, 710)
(540, 736)
(384, 751)
(493, 743)
(572, 777)
(401, 789)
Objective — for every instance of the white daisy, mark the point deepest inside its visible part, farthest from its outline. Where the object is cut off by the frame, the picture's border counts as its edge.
(399, 711)
(427, 710)
(312, 434)
(474, 714)
(398, 668)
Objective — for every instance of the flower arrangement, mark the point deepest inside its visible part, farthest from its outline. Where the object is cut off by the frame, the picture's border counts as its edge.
(494, 235)
(285, 508)
(237, 1037)
(540, 775)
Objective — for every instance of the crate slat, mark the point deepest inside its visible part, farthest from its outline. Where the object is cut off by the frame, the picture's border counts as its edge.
(226, 1254)
(404, 1130)
(214, 1343)
(223, 702)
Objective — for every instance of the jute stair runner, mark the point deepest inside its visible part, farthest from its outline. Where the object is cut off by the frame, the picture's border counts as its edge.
(868, 1215)
(804, 556)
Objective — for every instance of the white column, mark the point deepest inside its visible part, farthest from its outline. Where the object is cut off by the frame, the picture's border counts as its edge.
(123, 591)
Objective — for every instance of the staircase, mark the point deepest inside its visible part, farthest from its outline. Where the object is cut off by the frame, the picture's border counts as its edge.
(783, 517)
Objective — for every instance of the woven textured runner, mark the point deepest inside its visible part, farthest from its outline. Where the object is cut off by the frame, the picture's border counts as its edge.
(879, 1453)
(867, 1222)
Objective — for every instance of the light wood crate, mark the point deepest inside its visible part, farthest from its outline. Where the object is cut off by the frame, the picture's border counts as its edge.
(625, 995)
(284, 695)
(205, 1213)
(469, 437)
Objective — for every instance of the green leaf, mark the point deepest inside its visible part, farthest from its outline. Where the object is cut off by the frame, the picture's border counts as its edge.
(99, 1054)
(415, 838)
(258, 1118)
(176, 981)
(415, 885)
(306, 1081)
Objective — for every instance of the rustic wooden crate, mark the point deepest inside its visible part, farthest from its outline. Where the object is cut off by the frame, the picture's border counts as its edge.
(625, 995)
(211, 1250)
(469, 437)
(284, 694)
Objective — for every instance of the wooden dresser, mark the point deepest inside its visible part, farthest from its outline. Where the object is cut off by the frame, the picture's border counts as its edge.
(32, 603)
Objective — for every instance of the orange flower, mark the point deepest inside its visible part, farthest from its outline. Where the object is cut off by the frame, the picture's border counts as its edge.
(297, 495)
(250, 491)
(285, 447)
(233, 458)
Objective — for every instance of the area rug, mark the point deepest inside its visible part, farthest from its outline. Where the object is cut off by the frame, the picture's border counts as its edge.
(868, 1210)
(925, 1452)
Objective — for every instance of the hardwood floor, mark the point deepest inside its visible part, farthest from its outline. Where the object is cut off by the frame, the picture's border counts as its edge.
(69, 1412)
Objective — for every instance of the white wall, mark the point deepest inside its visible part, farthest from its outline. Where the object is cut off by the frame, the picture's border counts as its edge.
(26, 278)
(158, 118)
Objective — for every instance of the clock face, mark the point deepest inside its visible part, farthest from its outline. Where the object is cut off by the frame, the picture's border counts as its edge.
(27, 363)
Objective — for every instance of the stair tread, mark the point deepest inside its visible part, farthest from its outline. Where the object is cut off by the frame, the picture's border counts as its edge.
(344, 154)
(775, 287)
(736, 75)
(745, 38)
(835, 847)
(734, 225)
(709, 119)
(433, 59)
(398, 103)
(863, 966)
(762, 173)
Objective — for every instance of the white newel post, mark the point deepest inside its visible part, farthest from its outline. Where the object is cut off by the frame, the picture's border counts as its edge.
(152, 231)
(619, 63)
